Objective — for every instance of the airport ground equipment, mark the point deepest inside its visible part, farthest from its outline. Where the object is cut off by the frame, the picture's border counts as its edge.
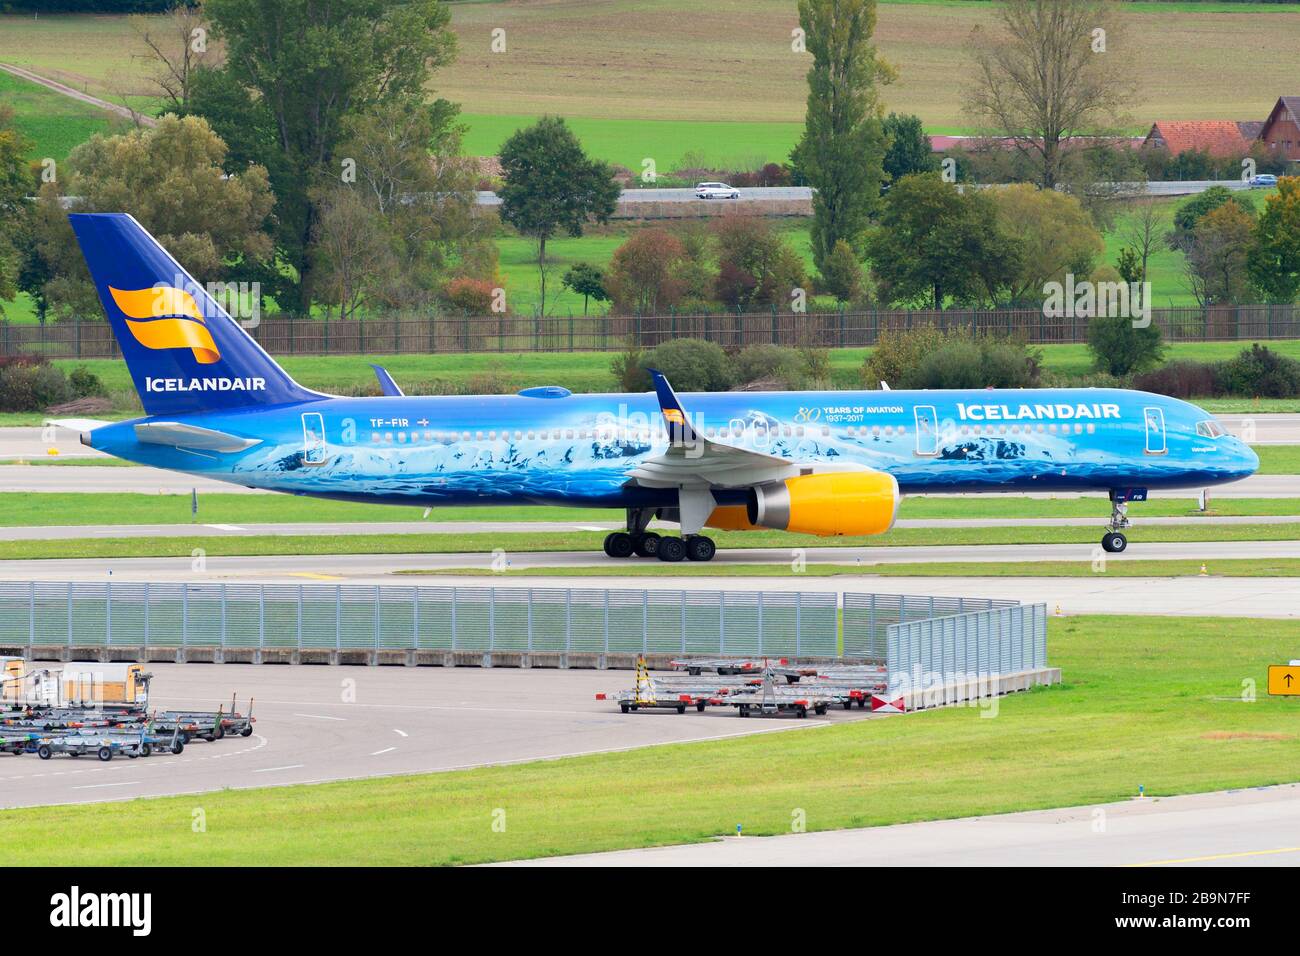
(774, 695)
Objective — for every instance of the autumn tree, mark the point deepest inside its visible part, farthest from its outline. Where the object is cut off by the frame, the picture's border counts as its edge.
(1275, 254)
(16, 184)
(1055, 234)
(642, 272)
(1050, 74)
(1216, 269)
(172, 179)
(177, 47)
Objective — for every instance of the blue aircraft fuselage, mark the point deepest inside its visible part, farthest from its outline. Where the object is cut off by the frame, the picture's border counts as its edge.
(549, 447)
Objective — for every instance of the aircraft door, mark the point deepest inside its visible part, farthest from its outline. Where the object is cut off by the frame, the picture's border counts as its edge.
(313, 438)
(1155, 419)
(927, 431)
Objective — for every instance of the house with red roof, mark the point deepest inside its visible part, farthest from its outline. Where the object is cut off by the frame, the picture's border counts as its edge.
(1232, 139)
(1281, 132)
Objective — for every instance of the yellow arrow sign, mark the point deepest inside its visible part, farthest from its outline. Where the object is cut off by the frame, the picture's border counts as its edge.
(1283, 680)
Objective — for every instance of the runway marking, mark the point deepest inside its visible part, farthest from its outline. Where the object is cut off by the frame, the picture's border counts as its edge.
(386, 750)
(1218, 856)
(400, 733)
(292, 766)
(320, 717)
(590, 527)
(224, 527)
(96, 786)
(314, 576)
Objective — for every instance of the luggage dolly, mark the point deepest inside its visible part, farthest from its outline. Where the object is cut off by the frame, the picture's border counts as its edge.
(77, 745)
(647, 694)
(19, 742)
(207, 725)
(773, 698)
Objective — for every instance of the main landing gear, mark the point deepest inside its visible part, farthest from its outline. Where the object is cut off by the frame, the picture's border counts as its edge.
(649, 544)
(1114, 540)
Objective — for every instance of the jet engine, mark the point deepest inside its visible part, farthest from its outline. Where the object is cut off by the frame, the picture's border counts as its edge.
(831, 503)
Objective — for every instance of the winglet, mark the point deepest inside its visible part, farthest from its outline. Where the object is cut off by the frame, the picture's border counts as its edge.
(675, 417)
(386, 383)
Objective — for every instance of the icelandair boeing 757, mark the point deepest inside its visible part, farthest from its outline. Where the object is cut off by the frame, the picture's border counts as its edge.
(823, 463)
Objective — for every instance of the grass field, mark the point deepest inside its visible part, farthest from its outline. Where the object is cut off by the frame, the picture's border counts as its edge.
(28, 509)
(1223, 568)
(674, 63)
(1147, 702)
(486, 543)
(53, 122)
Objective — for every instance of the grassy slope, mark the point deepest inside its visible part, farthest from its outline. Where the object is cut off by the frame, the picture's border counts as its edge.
(1147, 702)
(26, 509)
(517, 542)
(53, 122)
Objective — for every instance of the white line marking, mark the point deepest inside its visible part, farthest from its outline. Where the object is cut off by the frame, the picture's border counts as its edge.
(224, 527)
(96, 786)
(292, 766)
(320, 717)
(400, 733)
(386, 750)
(588, 527)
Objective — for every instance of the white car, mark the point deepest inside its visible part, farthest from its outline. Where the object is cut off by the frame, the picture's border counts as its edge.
(1263, 180)
(716, 191)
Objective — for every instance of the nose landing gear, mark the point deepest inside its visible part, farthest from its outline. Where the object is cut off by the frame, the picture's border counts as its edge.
(1114, 540)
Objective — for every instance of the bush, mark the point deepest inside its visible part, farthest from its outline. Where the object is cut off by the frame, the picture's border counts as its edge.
(1259, 372)
(628, 370)
(1181, 380)
(32, 388)
(898, 353)
(85, 383)
(471, 296)
(1120, 349)
(987, 362)
(692, 365)
(768, 364)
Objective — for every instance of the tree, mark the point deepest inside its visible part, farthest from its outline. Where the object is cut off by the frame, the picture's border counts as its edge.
(15, 185)
(641, 273)
(842, 151)
(1216, 266)
(1119, 347)
(178, 47)
(1191, 212)
(935, 243)
(756, 266)
(1055, 234)
(172, 179)
(550, 185)
(1129, 266)
(587, 281)
(1275, 255)
(1141, 231)
(843, 275)
(351, 254)
(909, 148)
(1049, 77)
(295, 71)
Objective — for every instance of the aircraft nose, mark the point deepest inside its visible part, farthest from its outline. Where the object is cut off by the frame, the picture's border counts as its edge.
(1247, 462)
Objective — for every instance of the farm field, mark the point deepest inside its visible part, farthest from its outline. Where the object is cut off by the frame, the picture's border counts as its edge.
(1147, 701)
(678, 63)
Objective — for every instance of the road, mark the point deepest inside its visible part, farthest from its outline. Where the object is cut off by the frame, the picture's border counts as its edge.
(400, 720)
(1098, 593)
(1254, 827)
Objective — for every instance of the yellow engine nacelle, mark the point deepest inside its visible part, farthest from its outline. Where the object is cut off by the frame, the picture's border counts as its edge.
(832, 503)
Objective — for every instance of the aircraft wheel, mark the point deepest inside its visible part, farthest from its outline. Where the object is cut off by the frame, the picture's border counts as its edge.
(671, 549)
(700, 548)
(646, 545)
(1114, 542)
(618, 545)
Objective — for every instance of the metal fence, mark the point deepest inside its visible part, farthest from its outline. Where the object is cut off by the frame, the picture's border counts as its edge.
(351, 617)
(1001, 640)
(937, 633)
(441, 334)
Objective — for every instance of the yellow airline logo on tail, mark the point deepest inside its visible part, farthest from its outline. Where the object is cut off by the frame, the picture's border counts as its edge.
(167, 318)
(673, 415)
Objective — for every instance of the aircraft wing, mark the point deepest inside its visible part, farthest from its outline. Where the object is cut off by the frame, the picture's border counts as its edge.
(695, 461)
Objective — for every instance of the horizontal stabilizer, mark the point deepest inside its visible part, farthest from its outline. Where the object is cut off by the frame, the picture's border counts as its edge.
(179, 435)
(82, 425)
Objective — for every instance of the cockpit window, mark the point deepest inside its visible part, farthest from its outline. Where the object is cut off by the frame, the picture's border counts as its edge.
(1210, 429)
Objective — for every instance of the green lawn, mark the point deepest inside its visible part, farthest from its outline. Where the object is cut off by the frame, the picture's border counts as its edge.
(29, 509)
(1222, 568)
(521, 543)
(1147, 702)
(55, 123)
(1278, 459)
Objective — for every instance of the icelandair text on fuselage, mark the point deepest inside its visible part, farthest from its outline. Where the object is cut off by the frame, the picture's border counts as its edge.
(205, 384)
(1015, 413)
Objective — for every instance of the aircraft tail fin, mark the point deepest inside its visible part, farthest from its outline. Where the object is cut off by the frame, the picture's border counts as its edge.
(184, 351)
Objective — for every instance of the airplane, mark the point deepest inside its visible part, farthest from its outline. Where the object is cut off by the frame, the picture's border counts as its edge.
(824, 463)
